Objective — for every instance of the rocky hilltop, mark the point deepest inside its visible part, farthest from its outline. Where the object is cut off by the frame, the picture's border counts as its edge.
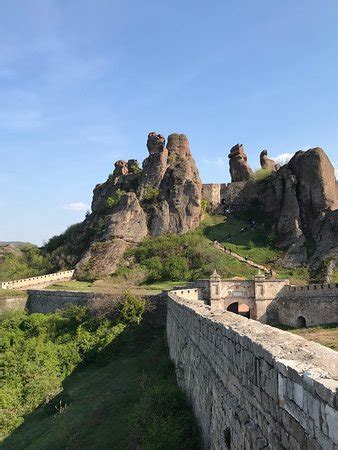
(163, 196)
(300, 200)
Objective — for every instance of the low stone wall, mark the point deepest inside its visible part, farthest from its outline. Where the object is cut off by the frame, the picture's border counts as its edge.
(252, 386)
(18, 303)
(311, 305)
(48, 301)
(37, 281)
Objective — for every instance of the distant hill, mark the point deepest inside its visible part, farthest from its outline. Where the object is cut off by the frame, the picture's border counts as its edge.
(15, 243)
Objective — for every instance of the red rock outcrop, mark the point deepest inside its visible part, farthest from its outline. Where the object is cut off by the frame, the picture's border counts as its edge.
(267, 163)
(162, 197)
(239, 167)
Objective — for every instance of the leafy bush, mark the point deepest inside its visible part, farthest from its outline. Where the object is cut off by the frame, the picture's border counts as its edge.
(182, 257)
(262, 174)
(114, 199)
(151, 195)
(29, 262)
(39, 351)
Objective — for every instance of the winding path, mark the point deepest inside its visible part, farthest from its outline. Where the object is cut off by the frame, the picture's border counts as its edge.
(251, 263)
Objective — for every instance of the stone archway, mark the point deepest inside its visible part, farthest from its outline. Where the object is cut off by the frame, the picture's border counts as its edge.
(241, 309)
(301, 322)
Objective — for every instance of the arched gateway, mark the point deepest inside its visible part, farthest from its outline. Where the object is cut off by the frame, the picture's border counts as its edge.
(249, 298)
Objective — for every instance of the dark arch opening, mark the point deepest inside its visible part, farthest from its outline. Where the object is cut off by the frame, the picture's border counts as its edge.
(301, 322)
(242, 309)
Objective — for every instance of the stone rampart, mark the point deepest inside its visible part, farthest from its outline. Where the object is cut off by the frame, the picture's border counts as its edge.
(37, 281)
(252, 386)
(48, 301)
(310, 305)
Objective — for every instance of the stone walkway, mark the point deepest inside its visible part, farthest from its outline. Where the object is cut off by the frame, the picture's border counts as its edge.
(251, 263)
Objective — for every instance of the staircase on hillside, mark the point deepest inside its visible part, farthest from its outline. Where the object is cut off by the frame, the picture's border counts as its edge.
(248, 261)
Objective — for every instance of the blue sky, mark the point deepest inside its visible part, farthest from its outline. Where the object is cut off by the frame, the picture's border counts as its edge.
(83, 82)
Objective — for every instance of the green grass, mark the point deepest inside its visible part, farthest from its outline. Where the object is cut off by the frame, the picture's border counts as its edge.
(100, 403)
(251, 243)
(12, 293)
(255, 244)
(72, 285)
(114, 285)
(326, 335)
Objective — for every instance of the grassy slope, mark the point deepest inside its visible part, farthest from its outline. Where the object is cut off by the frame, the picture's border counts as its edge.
(12, 293)
(325, 334)
(100, 400)
(113, 285)
(251, 243)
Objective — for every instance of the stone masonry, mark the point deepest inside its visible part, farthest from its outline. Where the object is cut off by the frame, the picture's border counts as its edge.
(41, 280)
(252, 386)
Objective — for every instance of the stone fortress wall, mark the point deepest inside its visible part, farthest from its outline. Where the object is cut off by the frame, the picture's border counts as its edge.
(317, 304)
(273, 300)
(37, 281)
(213, 193)
(252, 386)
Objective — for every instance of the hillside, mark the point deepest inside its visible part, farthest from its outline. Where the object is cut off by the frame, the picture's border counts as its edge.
(22, 261)
(96, 381)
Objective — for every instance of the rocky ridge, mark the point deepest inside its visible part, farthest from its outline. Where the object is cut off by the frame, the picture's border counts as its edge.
(300, 199)
(164, 196)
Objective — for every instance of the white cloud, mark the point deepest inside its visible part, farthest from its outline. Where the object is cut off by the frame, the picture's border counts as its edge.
(218, 162)
(282, 158)
(76, 206)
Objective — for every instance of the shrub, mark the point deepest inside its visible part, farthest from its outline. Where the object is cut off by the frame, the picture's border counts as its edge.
(39, 351)
(182, 257)
(262, 174)
(132, 309)
(151, 195)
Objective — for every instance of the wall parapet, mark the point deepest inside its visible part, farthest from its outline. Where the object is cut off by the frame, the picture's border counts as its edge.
(251, 385)
(41, 279)
(313, 287)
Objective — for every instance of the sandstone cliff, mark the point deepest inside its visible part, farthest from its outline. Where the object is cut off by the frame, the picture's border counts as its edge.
(300, 199)
(164, 196)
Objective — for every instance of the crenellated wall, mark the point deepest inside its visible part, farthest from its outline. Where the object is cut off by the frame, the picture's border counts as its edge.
(252, 386)
(37, 281)
(310, 305)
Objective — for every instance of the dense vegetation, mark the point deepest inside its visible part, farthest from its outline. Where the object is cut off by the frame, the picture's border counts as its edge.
(184, 257)
(41, 350)
(123, 393)
(24, 262)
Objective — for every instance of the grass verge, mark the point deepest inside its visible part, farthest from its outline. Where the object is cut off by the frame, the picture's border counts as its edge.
(326, 335)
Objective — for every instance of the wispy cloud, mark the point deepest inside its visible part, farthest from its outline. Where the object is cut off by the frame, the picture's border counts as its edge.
(76, 206)
(282, 158)
(218, 162)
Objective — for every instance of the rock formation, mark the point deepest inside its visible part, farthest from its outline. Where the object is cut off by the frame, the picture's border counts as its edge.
(300, 200)
(162, 197)
(178, 209)
(267, 163)
(239, 167)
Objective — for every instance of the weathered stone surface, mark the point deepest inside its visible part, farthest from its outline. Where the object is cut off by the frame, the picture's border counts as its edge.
(250, 385)
(267, 163)
(239, 167)
(181, 187)
(155, 143)
(153, 170)
(125, 225)
(127, 220)
(163, 197)
(300, 199)
(101, 259)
